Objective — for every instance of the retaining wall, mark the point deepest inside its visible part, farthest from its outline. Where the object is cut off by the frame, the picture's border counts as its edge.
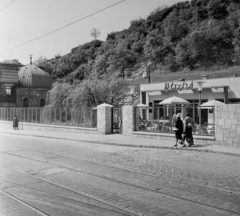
(44, 127)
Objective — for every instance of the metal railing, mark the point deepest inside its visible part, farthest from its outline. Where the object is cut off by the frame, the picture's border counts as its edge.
(78, 117)
(160, 119)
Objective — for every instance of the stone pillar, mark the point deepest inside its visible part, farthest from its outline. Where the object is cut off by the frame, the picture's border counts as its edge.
(104, 118)
(128, 120)
(227, 122)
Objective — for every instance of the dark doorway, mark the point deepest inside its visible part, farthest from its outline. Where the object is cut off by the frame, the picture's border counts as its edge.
(25, 102)
(117, 120)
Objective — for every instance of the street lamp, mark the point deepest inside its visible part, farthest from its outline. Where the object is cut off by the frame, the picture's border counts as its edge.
(200, 85)
(132, 89)
(146, 73)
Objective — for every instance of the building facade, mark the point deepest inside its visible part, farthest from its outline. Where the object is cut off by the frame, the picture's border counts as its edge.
(226, 90)
(26, 86)
(8, 84)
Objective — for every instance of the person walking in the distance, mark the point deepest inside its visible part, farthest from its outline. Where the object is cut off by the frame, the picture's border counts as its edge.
(179, 129)
(15, 122)
(187, 133)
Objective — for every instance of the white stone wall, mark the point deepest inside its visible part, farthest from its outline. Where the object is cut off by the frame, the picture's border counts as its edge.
(227, 121)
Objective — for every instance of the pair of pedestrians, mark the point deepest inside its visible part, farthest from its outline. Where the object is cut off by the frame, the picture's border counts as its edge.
(183, 130)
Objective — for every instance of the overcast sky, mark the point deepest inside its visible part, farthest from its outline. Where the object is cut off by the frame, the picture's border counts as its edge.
(24, 20)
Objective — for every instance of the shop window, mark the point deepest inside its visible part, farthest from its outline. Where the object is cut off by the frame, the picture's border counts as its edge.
(25, 102)
(42, 102)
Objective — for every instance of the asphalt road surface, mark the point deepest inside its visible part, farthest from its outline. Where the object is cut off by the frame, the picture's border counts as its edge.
(40, 176)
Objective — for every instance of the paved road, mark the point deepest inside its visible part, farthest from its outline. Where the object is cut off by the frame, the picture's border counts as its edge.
(40, 176)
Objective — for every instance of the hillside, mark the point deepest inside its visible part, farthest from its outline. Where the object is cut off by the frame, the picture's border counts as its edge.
(184, 40)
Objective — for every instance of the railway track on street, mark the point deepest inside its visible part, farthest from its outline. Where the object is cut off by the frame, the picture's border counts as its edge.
(157, 191)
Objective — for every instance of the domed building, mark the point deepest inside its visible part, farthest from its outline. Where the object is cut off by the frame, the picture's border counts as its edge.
(33, 85)
(24, 87)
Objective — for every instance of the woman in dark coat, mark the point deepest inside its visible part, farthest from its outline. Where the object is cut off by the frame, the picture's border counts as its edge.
(179, 131)
(15, 123)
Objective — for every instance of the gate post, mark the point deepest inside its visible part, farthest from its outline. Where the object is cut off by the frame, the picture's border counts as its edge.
(104, 118)
(128, 120)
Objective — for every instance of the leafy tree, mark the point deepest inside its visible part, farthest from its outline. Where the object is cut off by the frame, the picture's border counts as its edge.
(122, 58)
(58, 96)
(13, 61)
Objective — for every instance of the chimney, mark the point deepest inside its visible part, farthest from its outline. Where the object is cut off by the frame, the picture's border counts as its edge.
(205, 76)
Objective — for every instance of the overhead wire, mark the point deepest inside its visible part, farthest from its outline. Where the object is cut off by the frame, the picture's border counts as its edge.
(54, 24)
(7, 5)
(92, 14)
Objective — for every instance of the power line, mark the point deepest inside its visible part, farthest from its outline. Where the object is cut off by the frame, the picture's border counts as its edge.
(53, 25)
(64, 26)
(7, 5)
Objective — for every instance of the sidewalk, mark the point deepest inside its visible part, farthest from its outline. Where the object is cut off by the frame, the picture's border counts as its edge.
(119, 140)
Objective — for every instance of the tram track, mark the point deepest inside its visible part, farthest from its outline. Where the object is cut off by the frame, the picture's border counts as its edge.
(123, 209)
(230, 190)
(38, 211)
(124, 183)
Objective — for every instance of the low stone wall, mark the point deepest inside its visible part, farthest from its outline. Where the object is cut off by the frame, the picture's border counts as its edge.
(129, 123)
(171, 137)
(52, 128)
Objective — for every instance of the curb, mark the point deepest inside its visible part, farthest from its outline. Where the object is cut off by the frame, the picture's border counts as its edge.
(129, 145)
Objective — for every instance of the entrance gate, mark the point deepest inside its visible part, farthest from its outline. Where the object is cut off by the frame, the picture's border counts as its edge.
(117, 120)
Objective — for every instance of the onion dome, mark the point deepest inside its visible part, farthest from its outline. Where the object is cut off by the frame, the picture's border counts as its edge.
(31, 76)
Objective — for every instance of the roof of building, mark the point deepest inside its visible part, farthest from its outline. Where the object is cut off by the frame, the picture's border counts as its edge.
(31, 76)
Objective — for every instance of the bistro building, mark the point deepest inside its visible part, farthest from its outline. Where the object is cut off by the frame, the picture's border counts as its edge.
(225, 90)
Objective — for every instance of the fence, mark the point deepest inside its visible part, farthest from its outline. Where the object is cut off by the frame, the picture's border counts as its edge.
(161, 120)
(78, 117)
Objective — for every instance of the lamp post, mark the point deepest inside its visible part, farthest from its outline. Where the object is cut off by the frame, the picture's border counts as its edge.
(132, 89)
(146, 73)
(200, 85)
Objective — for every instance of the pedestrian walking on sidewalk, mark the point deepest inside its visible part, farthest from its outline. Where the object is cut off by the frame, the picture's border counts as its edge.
(187, 132)
(15, 122)
(179, 130)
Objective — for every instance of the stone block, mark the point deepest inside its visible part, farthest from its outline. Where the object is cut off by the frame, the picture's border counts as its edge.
(225, 108)
(228, 122)
(217, 142)
(234, 121)
(231, 107)
(221, 122)
(225, 115)
(235, 140)
(237, 109)
(227, 127)
(232, 134)
(226, 133)
(229, 141)
(238, 129)
(219, 137)
(236, 115)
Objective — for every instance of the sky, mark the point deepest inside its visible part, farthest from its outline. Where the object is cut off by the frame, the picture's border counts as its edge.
(22, 21)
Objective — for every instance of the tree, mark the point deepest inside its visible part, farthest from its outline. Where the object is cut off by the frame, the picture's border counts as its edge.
(122, 58)
(95, 33)
(13, 61)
